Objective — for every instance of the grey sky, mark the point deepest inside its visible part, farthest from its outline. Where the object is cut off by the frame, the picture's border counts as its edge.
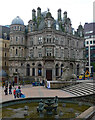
(78, 10)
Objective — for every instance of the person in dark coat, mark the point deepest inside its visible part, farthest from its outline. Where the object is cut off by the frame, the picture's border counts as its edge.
(6, 90)
(10, 89)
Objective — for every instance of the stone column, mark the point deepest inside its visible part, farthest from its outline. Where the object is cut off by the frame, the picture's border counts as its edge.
(53, 74)
(30, 71)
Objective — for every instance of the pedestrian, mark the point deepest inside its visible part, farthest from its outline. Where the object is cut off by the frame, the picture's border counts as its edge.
(3, 84)
(18, 91)
(14, 92)
(6, 90)
(10, 89)
(19, 87)
(6, 83)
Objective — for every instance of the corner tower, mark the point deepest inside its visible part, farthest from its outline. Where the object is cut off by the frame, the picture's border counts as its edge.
(17, 49)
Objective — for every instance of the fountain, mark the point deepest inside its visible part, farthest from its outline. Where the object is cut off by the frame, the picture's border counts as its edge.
(55, 108)
(49, 105)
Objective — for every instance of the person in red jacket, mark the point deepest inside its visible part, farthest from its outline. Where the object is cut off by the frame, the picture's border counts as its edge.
(14, 92)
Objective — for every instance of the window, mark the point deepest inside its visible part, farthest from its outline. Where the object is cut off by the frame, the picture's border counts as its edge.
(16, 51)
(5, 54)
(56, 40)
(77, 43)
(87, 42)
(78, 69)
(40, 40)
(16, 39)
(20, 28)
(33, 71)
(61, 69)
(61, 53)
(39, 70)
(11, 39)
(48, 51)
(28, 70)
(91, 48)
(40, 52)
(31, 53)
(56, 52)
(22, 40)
(93, 41)
(14, 27)
(86, 48)
(5, 45)
(90, 42)
(49, 24)
(56, 70)
(80, 33)
(49, 39)
(17, 27)
(21, 64)
(5, 63)
(57, 27)
(16, 70)
(31, 42)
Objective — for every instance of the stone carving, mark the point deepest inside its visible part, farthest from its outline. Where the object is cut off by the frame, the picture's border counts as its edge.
(67, 75)
(49, 105)
(40, 108)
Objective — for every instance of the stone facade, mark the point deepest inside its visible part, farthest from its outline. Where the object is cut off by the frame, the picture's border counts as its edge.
(39, 50)
(4, 49)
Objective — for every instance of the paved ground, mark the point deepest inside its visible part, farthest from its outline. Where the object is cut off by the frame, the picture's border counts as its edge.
(38, 91)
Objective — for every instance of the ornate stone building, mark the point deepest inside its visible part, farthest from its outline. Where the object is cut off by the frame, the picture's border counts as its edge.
(4, 49)
(39, 50)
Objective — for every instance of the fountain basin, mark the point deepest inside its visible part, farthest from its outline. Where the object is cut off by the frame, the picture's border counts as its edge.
(16, 108)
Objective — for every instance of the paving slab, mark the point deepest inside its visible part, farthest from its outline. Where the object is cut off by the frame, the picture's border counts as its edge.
(38, 91)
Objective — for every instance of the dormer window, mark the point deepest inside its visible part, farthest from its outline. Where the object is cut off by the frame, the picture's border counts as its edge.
(57, 27)
(49, 24)
(80, 33)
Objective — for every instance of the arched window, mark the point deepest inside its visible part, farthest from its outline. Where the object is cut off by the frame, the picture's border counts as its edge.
(56, 70)
(71, 67)
(33, 71)
(39, 70)
(78, 69)
(22, 40)
(16, 51)
(61, 69)
(28, 70)
(16, 39)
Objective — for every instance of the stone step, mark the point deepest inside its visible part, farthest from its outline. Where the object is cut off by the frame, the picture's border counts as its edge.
(80, 89)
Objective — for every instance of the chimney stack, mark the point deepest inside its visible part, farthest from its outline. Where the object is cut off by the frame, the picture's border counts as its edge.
(59, 14)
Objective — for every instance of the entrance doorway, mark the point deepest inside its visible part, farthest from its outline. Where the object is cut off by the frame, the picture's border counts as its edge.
(49, 75)
(15, 79)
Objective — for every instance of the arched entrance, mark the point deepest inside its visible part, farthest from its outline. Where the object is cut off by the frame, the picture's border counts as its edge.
(49, 74)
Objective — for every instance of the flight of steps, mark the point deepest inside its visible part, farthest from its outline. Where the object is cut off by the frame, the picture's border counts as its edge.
(81, 89)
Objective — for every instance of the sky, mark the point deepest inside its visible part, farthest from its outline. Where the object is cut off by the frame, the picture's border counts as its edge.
(79, 11)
